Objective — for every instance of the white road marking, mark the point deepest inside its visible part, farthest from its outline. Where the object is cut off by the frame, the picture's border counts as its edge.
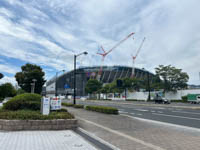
(139, 114)
(141, 110)
(177, 116)
(132, 113)
(123, 135)
(159, 108)
(123, 112)
(165, 123)
(186, 112)
(153, 111)
(160, 112)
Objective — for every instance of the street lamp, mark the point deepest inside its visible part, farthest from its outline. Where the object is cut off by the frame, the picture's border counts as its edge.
(85, 53)
(149, 90)
(33, 86)
(56, 94)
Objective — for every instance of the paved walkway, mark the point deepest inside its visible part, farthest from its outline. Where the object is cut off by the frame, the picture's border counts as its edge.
(131, 134)
(43, 140)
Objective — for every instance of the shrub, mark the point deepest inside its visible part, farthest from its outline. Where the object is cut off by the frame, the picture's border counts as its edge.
(184, 98)
(72, 105)
(78, 106)
(33, 115)
(24, 101)
(102, 109)
(60, 110)
(68, 104)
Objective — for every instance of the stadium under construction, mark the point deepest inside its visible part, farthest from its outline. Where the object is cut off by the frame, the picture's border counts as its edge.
(83, 74)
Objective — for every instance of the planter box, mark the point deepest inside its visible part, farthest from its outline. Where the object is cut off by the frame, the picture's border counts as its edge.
(58, 124)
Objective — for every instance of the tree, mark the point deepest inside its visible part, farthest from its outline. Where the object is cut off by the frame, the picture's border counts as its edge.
(173, 78)
(93, 86)
(105, 89)
(20, 91)
(1, 75)
(157, 83)
(7, 90)
(26, 76)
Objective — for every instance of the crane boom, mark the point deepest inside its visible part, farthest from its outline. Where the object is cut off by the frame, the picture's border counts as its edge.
(139, 49)
(120, 42)
(104, 54)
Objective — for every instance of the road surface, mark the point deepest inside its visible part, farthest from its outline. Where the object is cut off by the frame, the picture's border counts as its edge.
(172, 113)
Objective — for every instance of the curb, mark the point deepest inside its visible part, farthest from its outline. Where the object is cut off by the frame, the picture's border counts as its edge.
(98, 141)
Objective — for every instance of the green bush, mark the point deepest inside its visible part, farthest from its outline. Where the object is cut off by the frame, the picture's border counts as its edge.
(60, 110)
(72, 105)
(24, 101)
(102, 109)
(184, 98)
(78, 106)
(33, 115)
(68, 104)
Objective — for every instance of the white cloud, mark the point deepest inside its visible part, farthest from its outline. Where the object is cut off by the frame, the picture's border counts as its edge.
(8, 68)
(7, 79)
(50, 32)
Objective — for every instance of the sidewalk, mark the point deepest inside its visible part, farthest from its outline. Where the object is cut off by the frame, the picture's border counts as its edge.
(131, 134)
(43, 140)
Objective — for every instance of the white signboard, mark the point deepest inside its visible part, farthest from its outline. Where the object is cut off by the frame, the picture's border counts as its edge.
(55, 103)
(45, 106)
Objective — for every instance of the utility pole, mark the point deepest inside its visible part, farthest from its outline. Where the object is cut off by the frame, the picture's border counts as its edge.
(149, 97)
(85, 53)
(74, 79)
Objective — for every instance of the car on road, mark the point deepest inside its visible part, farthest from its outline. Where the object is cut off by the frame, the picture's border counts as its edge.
(161, 100)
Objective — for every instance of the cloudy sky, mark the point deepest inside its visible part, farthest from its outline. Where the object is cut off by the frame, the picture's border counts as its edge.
(49, 32)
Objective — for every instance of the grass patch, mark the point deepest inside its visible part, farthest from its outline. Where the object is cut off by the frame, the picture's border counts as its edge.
(102, 109)
(34, 115)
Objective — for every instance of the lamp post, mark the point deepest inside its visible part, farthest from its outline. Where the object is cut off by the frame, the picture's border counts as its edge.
(148, 82)
(149, 97)
(75, 56)
(56, 88)
(33, 86)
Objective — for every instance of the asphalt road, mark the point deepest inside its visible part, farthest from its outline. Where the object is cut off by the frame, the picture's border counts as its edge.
(179, 116)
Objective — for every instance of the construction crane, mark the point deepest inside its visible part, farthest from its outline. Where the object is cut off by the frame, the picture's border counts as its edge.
(134, 58)
(104, 54)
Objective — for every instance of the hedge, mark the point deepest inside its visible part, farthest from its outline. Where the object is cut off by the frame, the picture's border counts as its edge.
(78, 106)
(72, 105)
(68, 104)
(24, 101)
(33, 115)
(102, 109)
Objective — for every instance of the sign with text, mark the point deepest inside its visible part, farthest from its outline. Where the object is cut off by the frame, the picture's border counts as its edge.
(55, 103)
(45, 106)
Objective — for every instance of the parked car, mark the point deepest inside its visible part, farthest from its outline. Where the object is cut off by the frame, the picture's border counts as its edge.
(161, 100)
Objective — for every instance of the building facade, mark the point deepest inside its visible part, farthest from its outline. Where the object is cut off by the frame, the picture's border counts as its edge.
(109, 74)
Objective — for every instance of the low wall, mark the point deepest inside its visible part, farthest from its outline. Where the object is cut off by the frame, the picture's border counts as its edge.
(169, 95)
(59, 124)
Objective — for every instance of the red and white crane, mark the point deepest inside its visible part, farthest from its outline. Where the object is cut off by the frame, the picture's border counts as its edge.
(104, 54)
(134, 58)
